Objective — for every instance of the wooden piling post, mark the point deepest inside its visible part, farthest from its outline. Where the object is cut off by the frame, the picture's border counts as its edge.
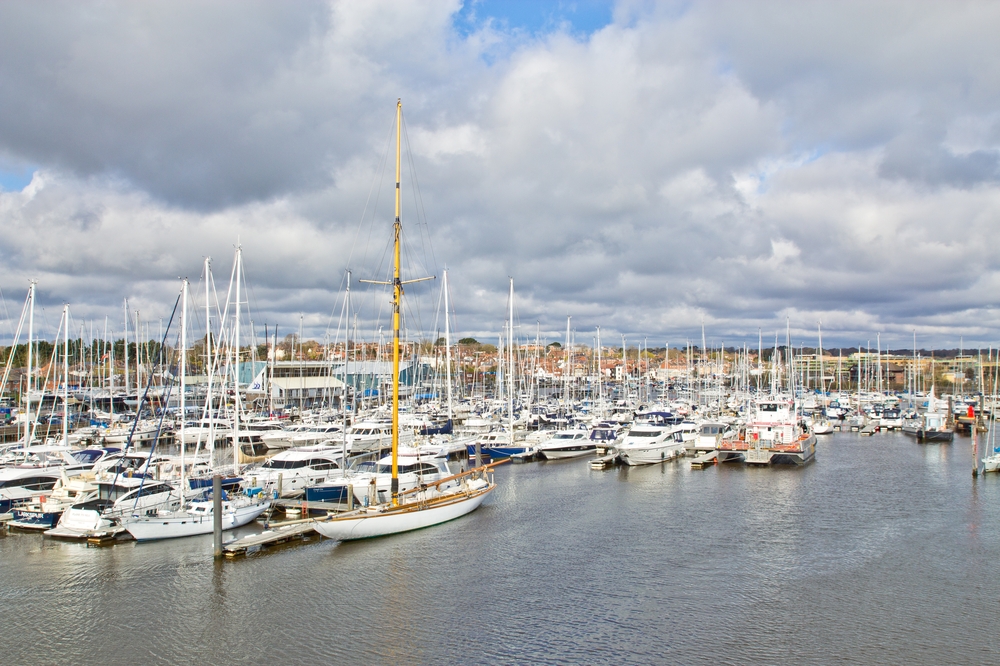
(217, 513)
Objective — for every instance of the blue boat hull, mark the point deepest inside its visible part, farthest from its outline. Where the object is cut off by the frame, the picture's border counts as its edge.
(35, 520)
(498, 452)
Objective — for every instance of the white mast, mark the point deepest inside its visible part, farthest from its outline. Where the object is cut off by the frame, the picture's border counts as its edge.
(138, 364)
(600, 391)
(66, 374)
(236, 375)
(126, 347)
(447, 342)
(510, 360)
(183, 370)
(28, 430)
(819, 353)
(566, 368)
(209, 370)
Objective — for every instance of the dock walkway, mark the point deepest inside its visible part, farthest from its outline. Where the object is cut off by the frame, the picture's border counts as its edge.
(705, 459)
(291, 531)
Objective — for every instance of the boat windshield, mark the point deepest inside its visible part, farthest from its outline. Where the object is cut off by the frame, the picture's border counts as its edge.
(88, 456)
(284, 464)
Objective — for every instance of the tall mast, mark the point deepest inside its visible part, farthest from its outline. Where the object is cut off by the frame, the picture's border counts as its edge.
(138, 364)
(566, 368)
(236, 375)
(510, 359)
(126, 349)
(183, 370)
(66, 374)
(28, 430)
(111, 373)
(819, 353)
(397, 295)
(600, 392)
(447, 343)
(209, 370)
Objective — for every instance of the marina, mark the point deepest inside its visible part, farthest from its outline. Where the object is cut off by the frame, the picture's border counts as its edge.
(882, 545)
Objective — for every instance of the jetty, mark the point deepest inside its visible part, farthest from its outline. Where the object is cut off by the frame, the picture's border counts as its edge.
(705, 460)
(292, 530)
(604, 462)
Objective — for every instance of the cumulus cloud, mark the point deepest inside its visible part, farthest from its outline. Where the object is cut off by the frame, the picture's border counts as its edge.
(733, 163)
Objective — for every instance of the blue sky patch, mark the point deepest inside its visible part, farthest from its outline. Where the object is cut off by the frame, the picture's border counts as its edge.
(14, 179)
(534, 17)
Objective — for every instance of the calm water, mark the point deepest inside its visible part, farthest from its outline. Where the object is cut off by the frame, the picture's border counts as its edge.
(882, 551)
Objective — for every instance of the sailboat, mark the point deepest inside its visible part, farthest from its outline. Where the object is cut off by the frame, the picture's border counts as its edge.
(197, 518)
(428, 504)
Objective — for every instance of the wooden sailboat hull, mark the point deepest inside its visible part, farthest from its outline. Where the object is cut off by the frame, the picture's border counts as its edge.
(414, 515)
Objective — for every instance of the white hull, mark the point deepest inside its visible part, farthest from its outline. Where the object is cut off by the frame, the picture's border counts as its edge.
(649, 455)
(382, 521)
(561, 454)
(822, 428)
(186, 524)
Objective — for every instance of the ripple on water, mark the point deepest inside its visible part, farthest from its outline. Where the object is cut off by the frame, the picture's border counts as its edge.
(879, 552)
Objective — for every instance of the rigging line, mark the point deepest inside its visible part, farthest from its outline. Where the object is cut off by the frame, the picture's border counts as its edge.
(418, 200)
(333, 308)
(6, 314)
(380, 172)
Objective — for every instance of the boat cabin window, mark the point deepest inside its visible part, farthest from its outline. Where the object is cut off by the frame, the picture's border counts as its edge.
(416, 468)
(30, 483)
(645, 433)
(769, 407)
(320, 464)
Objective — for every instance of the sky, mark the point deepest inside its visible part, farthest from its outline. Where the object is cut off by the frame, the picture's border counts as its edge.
(648, 168)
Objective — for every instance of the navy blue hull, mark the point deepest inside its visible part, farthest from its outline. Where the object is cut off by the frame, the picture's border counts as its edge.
(35, 520)
(497, 452)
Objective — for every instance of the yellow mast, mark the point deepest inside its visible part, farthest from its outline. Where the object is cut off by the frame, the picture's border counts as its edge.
(397, 301)
(397, 295)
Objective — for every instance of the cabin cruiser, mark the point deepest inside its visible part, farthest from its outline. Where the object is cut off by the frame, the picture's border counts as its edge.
(498, 444)
(317, 433)
(567, 444)
(23, 484)
(290, 472)
(374, 436)
(200, 432)
(606, 434)
(143, 433)
(822, 426)
(834, 410)
(891, 419)
(45, 511)
(39, 469)
(369, 482)
(647, 443)
(302, 434)
(116, 499)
